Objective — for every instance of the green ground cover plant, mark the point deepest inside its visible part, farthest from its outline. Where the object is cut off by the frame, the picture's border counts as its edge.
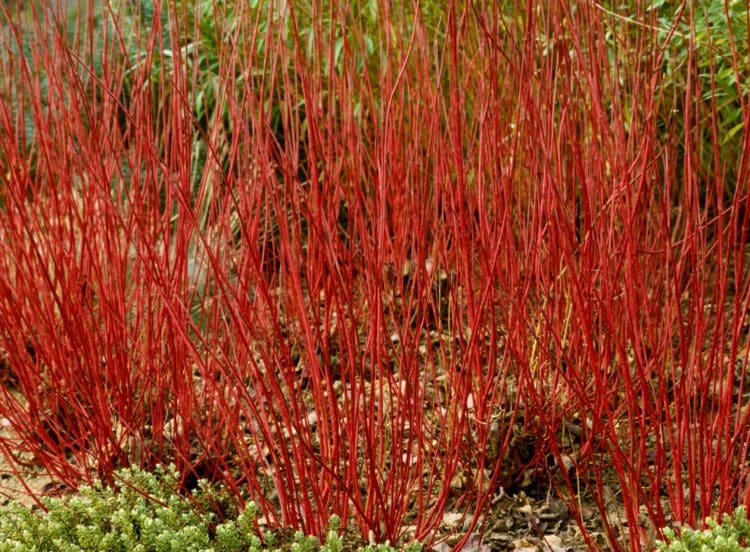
(146, 512)
(730, 535)
(380, 260)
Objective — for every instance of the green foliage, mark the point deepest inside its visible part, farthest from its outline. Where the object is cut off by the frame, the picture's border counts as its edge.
(728, 536)
(144, 512)
(703, 46)
(702, 43)
(233, 44)
(714, 33)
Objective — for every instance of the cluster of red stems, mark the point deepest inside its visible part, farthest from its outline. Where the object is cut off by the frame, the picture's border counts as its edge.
(571, 262)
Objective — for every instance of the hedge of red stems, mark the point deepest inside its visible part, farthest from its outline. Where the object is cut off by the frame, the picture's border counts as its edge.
(353, 291)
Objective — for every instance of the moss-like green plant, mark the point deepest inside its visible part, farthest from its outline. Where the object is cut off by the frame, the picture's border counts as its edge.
(727, 536)
(144, 512)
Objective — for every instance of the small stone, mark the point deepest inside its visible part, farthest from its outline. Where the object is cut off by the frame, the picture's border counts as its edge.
(568, 463)
(458, 481)
(554, 543)
(452, 519)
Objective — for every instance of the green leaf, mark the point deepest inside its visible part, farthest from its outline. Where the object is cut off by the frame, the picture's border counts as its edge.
(734, 130)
